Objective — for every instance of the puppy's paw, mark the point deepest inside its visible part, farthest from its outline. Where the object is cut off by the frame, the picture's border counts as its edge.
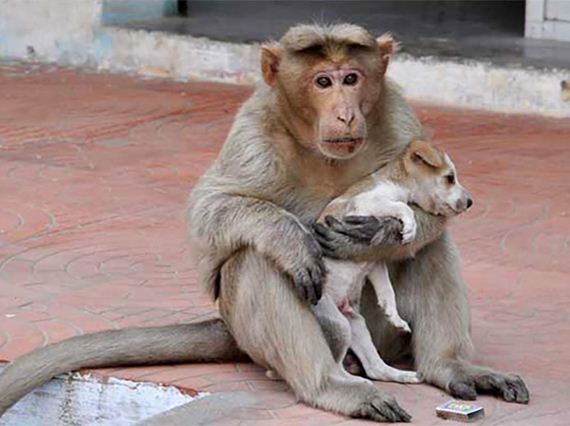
(399, 323)
(409, 230)
(403, 327)
(272, 375)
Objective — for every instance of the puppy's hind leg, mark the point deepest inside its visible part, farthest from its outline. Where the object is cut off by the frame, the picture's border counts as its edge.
(373, 365)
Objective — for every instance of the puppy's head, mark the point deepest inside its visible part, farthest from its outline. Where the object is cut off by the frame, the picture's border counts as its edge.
(436, 188)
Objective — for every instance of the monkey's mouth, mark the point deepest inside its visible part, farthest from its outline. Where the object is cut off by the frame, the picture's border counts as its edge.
(341, 148)
(344, 141)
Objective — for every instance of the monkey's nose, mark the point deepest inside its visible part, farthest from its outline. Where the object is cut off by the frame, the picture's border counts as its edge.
(469, 202)
(347, 118)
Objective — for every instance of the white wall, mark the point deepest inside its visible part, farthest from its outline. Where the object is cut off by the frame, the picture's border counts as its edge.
(52, 30)
(548, 19)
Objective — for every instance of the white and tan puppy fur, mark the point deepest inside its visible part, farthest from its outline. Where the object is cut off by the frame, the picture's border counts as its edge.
(422, 175)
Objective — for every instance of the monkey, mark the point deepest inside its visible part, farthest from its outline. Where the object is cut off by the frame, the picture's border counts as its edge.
(324, 117)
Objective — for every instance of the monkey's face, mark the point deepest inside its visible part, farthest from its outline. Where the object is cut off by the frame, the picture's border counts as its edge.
(340, 101)
(329, 83)
(437, 188)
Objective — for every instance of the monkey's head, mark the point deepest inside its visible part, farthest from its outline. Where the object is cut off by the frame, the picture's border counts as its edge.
(328, 80)
(436, 187)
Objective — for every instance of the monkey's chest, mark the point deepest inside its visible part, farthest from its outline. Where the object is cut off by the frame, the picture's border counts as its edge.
(308, 202)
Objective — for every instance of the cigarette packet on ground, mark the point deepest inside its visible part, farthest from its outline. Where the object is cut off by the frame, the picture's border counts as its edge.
(460, 411)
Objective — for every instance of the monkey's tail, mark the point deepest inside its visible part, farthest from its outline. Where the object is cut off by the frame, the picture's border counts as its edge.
(206, 341)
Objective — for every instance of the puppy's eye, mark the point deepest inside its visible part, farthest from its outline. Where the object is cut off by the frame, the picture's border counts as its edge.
(350, 79)
(450, 179)
(323, 82)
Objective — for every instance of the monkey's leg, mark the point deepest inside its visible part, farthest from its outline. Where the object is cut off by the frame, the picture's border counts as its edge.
(435, 299)
(335, 327)
(373, 365)
(380, 280)
(280, 332)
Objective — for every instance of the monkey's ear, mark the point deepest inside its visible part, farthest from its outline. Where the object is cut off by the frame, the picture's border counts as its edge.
(423, 152)
(388, 46)
(270, 59)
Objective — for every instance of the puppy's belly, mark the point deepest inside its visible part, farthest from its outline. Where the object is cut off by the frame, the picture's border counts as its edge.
(344, 278)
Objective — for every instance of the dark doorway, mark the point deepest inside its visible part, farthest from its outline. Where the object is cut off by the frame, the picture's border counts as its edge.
(245, 21)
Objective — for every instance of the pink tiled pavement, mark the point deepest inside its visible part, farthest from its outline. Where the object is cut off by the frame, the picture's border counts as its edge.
(94, 174)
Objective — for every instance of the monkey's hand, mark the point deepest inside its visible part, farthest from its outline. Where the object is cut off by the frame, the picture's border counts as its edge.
(295, 250)
(353, 237)
(307, 269)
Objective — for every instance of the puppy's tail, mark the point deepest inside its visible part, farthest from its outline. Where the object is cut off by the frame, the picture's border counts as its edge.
(206, 341)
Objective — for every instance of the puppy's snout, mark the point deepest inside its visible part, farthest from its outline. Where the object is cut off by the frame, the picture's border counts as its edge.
(464, 203)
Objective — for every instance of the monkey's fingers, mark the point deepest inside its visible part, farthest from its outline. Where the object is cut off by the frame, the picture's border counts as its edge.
(318, 277)
(303, 285)
(389, 232)
(510, 386)
(391, 411)
(358, 220)
(309, 283)
(332, 243)
(361, 233)
(463, 389)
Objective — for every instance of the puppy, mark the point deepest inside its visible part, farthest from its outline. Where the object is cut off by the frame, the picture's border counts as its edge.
(421, 175)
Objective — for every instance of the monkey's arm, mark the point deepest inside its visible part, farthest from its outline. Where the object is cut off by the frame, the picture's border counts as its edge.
(368, 238)
(223, 223)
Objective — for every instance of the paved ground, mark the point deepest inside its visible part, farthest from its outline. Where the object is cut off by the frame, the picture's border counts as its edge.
(94, 174)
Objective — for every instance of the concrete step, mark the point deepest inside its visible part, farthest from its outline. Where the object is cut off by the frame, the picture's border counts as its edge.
(478, 82)
(85, 400)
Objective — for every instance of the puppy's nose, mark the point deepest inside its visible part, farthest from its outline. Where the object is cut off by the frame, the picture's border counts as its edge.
(469, 202)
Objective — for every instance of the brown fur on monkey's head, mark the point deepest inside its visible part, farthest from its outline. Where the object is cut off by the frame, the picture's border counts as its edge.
(329, 78)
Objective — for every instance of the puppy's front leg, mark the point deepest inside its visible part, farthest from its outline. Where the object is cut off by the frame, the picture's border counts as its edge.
(380, 280)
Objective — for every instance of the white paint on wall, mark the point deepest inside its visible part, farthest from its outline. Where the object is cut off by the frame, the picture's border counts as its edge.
(53, 30)
(179, 57)
(482, 85)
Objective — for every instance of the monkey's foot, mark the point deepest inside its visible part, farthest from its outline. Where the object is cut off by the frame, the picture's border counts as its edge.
(360, 398)
(383, 408)
(510, 387)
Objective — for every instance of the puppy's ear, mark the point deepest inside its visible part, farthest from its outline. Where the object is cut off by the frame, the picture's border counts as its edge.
(424, 152)
(270, 59)
(388, 46)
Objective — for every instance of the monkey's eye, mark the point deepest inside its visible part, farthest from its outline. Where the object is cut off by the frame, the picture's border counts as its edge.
(350, 79)
(450, 179)
(323, 82)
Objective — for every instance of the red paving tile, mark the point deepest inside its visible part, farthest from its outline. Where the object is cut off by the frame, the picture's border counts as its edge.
(94, 174)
